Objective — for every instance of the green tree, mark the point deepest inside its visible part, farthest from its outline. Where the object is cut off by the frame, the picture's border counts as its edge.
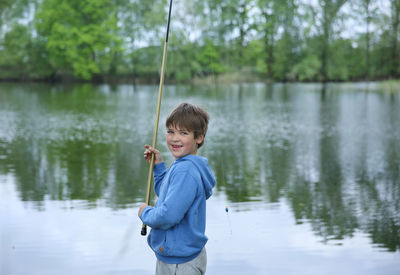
(308, 68)
(279, 34)
(244, 26)
(395, 24)
(80, 35)
(182, 62)
(369, 11)
(4, 8)
(346, 62)
(251, 57)
(330, 10)
(14, 59)
(229, 26)
(12, 10)
(21, 55)
(366, 12)
(284, 40)
(285, 53)
(269, 27)
(209, 58)
(138, 19)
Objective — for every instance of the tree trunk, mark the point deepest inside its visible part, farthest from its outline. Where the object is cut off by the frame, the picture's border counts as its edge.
(269, 43)
(368, 40)
(325, 51)
(242, 31)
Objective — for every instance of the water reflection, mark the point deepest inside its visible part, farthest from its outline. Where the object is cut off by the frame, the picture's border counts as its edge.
(333, 152)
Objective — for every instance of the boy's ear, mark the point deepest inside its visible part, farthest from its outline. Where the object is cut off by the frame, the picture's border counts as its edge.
(200, 139)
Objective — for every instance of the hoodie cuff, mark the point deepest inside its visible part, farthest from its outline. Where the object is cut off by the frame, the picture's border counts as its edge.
(159, 168)
(145, 210)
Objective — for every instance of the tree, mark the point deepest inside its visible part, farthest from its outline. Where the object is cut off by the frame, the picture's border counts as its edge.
(4, 8)
(11, 10)
(138, 19)
(395, 23)
(279, 35)
(367, 9)
(269, 29)
(14, 59)
(324, 15)
(287, 46)
(79, 35)
(309, 65)
(20, 52)
(244, 26)
(330, 10)
(229, 25)
(209, 58)
(281, 39)
(366, 13)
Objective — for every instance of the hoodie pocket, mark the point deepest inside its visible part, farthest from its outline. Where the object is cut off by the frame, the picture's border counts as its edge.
(169, 244)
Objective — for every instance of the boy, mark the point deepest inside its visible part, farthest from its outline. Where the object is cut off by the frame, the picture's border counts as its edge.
(178, 219)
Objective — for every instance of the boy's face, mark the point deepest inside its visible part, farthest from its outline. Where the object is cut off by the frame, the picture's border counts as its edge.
(182, 142)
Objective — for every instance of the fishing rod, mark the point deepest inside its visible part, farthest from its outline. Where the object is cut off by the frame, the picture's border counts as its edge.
(150, 175)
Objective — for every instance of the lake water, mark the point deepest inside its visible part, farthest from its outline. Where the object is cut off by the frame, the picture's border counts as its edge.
(310, 175)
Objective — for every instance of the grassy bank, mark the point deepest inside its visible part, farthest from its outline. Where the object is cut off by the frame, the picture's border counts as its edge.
(392, 85)
(231, 77)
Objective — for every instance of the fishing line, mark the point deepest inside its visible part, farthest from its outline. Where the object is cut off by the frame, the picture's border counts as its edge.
(224, 180)
(125, 242)
(229, 220)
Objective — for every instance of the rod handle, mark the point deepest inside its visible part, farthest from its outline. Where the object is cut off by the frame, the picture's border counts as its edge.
(144, 230)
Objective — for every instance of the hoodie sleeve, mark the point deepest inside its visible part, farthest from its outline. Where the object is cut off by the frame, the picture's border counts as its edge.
(159, 172)
(180, 196)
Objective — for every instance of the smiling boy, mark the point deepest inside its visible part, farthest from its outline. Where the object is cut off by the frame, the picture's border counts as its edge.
(178, 219)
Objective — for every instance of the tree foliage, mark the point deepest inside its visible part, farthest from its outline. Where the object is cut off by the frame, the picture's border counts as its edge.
(80, 35)
(281, 40)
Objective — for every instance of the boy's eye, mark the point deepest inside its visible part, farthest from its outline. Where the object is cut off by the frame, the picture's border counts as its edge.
(184, 133)
(170, 132)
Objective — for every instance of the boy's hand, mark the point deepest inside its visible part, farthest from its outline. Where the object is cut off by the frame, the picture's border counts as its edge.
(149, 151)
(143, 206)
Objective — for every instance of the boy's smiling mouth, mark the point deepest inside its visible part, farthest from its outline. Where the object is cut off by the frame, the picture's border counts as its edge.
(176, 147)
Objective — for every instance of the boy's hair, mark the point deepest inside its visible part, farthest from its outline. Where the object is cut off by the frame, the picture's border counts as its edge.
(190, 118)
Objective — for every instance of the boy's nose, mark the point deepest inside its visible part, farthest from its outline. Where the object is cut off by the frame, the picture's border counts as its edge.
(174, 137)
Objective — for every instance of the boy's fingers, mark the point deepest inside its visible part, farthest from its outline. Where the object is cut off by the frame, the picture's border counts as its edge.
(149, 151)
(149, 148)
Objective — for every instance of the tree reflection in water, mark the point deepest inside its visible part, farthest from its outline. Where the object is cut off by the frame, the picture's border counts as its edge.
(333, 154)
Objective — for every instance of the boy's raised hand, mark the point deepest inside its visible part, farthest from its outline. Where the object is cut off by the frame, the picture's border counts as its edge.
(149, 151)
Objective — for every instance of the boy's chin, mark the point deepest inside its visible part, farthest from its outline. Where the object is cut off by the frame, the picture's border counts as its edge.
(175, 153)
(179, 154)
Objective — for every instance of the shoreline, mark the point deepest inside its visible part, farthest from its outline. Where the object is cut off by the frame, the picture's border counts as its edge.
(393, 85)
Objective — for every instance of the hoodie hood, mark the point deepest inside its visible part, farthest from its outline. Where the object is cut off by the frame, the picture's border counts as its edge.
(206, 174)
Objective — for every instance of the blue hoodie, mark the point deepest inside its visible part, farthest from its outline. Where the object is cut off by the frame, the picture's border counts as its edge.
(178, 220)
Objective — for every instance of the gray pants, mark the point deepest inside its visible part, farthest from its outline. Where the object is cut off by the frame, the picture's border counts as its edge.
(197, 266)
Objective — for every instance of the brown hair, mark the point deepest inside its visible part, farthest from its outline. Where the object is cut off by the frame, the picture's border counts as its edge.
(190, 118)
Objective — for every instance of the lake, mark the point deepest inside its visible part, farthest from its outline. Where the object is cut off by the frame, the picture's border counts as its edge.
(310, 174)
